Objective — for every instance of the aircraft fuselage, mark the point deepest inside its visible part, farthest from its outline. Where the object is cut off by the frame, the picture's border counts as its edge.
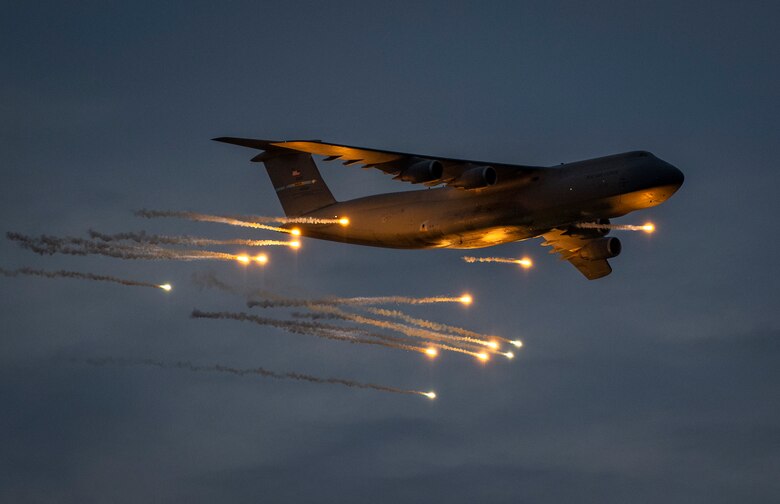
(511, 210)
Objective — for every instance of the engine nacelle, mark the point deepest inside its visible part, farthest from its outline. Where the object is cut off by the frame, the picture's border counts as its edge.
(423, 170)
(602, 248)
(474, 178)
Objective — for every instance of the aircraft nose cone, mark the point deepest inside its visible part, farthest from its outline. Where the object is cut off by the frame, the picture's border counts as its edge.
(669, 175)
(676, 176)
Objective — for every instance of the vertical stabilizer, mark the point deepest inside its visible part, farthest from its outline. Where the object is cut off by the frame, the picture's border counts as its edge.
(295, 177)
(297, 182)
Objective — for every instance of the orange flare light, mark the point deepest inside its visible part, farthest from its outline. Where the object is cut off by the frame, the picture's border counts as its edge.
(295, 244)
(295, 232)
(431, 352)
(516, 343)
(344, 221)
(525, 262)
(243, 259)
(261, 259)
(466, 299)
(649, 227)
(483, 356)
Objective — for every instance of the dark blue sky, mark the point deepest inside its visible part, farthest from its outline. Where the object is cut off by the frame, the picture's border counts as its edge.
(660, 382)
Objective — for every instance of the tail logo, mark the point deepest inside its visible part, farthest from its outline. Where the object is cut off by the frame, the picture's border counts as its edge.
(296, 184)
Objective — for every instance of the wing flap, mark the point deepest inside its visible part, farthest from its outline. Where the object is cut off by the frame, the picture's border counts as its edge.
(592, 269)
(567, 246)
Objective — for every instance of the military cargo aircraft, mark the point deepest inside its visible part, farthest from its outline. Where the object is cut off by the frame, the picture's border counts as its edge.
(480, 204)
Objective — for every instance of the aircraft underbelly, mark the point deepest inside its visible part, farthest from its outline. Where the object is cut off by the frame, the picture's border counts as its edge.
(427, 223)
(486, 237)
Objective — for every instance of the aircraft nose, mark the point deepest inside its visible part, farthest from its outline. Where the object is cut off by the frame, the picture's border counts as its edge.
(676, 176)
(670, 175)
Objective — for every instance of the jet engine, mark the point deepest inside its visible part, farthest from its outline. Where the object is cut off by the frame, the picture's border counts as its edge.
(601, 248)
(474, 178)
(422, 170)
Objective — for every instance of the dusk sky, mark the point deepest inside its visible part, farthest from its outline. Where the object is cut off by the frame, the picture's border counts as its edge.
(660, 382)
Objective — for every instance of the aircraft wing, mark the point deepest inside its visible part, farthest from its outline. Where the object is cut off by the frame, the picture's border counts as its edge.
(568, 247)
(390, 162)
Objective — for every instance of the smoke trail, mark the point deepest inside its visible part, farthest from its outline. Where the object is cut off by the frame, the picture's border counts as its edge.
(464, 334)
(356, 301)
(258, 371)
(220, 219)
(292, 220)
(471, 336)
(524, 262)
(211, 281)
(413, 332)
(48, 245)
(268, 300)
(143, 237)
(306, 328)
(43, 245)
(237, 220)
(351, 330)
(648, 228)
(79, 275)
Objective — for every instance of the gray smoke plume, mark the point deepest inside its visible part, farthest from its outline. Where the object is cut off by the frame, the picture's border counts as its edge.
(208, 280)
(305, 328)
(75, 274)
(464, 334)
(236, 220)
(258, 371)
(352, 330)
(145, 238)
(48, 245)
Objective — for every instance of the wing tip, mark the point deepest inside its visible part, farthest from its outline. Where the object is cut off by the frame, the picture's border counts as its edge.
(253, 143)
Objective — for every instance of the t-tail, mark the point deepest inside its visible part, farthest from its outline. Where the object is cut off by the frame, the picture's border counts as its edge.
(295, 177)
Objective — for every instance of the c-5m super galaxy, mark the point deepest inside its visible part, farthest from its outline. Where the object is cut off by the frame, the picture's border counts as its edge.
(480, 204)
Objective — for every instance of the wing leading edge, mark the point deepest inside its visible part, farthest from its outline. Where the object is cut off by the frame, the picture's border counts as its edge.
(390, 162)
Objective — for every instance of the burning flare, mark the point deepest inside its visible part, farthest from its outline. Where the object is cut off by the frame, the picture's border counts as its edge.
(524, 262)
(356, 301)
(647, 227)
